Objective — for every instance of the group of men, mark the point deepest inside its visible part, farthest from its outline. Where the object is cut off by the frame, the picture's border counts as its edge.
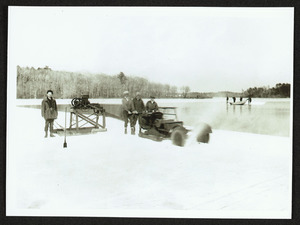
(241, 99)
(132, 110)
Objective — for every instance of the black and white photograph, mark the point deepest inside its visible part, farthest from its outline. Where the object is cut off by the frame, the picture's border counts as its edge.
(150, 112)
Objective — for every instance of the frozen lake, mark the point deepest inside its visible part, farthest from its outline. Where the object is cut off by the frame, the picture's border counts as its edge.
(106, 173)
(236, 175)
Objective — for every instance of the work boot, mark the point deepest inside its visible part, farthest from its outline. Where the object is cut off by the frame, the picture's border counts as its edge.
(125, 131)
(51, 135)
(46, 134)
(132, 130)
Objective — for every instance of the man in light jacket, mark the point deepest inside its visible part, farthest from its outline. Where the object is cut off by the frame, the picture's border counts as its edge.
(151, 105)
(49, 112)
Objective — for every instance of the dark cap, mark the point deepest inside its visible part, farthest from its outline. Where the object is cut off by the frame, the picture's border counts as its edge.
(152, 96)
(49, 91)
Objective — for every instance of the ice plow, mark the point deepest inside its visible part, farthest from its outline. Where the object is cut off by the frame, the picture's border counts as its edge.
(163, 124)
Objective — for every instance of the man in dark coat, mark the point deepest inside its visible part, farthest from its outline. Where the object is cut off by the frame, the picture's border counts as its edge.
(139, 108)
(49, 112)
(127, 109)
(151, 105)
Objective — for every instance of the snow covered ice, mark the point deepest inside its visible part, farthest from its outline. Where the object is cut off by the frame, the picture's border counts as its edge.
(236, 175)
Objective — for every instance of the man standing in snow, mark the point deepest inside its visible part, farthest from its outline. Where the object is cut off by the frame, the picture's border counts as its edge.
(139, 108)
(49, 112)
(127, 109)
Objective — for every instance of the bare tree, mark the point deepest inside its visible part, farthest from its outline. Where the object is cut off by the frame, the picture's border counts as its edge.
(185, 90)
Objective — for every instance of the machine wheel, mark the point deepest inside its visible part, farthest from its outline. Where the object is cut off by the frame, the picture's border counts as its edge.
(178, 136)
(204, 138)
(76, 102)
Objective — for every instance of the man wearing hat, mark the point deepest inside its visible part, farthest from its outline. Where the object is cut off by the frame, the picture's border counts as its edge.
(49, 112)
(139, 108)
(127, 109)
(151, 105)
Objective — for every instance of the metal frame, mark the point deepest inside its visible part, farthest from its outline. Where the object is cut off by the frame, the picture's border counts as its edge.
(79, 118)
(79, 113)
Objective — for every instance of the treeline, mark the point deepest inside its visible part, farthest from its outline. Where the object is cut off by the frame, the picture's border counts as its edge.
(281, 90)
(33, 83)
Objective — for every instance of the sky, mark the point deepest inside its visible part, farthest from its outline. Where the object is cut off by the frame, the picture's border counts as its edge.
(207, 49)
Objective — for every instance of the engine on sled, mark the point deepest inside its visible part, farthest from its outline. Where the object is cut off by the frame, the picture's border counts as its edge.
(83, 103)
(163, 124)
